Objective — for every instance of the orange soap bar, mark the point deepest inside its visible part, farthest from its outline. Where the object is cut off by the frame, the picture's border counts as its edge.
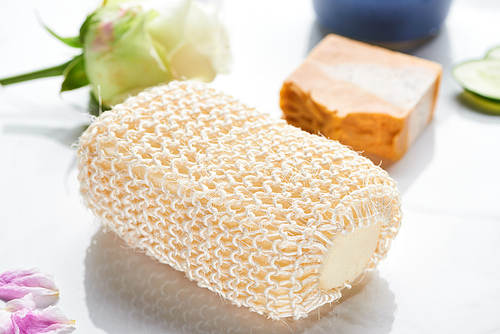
(372, 99)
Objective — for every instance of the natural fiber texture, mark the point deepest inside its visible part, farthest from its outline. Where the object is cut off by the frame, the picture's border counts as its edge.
(246, 205)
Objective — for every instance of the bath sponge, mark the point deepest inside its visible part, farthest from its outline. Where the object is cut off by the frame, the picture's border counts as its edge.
(268, 216)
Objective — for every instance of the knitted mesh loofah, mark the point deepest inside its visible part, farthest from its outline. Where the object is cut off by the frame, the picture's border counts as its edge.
(247, 206)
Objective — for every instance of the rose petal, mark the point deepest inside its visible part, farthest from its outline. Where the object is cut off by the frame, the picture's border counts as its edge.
(6, 326)
(205, 50)
(19, 316)
(50, 320)
(131, 61)
(15, 305)
(16, 284)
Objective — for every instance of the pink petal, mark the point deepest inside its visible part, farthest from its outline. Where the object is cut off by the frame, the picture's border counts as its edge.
(50, 320)
(6, 326)
(104, 37)
(12, 306)
(16, 284)
(15, 305)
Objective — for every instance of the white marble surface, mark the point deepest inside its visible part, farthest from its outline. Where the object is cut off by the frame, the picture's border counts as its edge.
(441, 276)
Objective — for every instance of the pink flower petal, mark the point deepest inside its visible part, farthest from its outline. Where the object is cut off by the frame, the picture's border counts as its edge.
(15, 305)
(6, 326)
(16, 284)
(50, 320)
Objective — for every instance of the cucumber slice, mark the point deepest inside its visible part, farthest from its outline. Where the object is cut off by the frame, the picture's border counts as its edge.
(487, 105)
(493, 53)
(481, 77)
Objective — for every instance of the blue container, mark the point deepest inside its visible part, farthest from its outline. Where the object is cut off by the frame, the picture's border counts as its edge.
(383, 20)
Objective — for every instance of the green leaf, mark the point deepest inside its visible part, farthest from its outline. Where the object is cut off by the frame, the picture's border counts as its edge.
(84, 28)
(74, 74)
(74, 42)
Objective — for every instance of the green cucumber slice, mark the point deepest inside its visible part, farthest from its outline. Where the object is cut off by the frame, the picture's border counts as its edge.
(486, 105)
(481, 77)
(493, 53)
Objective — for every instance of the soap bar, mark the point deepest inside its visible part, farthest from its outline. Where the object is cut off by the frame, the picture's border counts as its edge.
(375, 100)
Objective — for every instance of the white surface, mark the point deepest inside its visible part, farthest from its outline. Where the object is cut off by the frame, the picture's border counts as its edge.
(441, 276)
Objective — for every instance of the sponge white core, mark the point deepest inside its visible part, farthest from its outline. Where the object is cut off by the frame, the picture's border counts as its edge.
(349, 256)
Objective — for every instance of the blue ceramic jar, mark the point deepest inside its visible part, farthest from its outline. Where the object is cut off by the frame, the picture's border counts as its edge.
(382, 20)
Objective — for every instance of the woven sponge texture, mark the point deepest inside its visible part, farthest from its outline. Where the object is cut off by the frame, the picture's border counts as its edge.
(246, 205)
